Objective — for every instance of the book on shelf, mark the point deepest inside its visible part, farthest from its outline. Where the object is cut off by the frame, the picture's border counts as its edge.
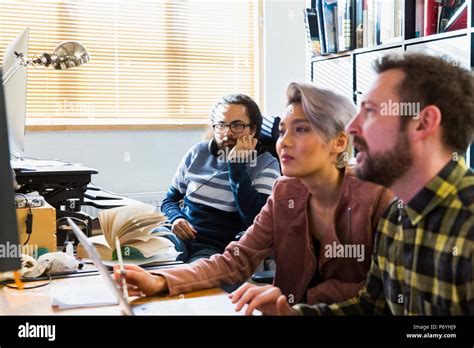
(399, 18)
(359, 23)
(345, 25)
(349, 24)
(444, 14)
(458, 18)
(312, 31)
(371, 21)
(431, 17)
(319, 16)
(378, 21)
(365, 23)
(336, 25)
(439, 16)
(390, 21)
(384, 21)
(419, 18)
(328, 19)
(134, 225)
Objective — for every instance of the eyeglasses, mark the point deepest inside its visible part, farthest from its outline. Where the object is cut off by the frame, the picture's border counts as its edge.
(235, 128)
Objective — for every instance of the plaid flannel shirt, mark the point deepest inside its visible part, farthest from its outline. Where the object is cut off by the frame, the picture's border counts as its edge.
(423, 261)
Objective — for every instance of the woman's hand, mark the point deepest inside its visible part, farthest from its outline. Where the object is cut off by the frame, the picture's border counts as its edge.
(139, 281)
(268, 299)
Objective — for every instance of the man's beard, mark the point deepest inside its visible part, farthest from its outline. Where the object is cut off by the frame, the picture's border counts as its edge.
(385, 168)
(226, 142)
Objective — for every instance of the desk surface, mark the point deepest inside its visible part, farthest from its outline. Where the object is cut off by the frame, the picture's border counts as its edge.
(38, 302)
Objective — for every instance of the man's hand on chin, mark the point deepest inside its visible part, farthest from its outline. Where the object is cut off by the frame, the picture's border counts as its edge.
(242, 148)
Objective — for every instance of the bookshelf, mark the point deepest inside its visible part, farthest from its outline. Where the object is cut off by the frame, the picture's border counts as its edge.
(350, 72)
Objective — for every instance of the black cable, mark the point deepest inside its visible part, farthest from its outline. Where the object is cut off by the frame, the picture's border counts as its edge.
(30, 287)
(27, 203)
(207, 181)
(29, 217)
(27, 239)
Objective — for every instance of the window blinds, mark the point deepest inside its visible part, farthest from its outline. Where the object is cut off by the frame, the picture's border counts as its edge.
(152, 62)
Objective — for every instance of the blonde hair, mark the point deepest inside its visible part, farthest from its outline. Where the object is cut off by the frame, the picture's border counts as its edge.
(328, 113)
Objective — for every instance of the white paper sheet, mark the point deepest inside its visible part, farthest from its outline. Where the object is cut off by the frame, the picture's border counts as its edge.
(84, 295)
(207, 305)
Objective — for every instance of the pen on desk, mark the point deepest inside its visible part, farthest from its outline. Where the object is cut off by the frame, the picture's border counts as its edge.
(122, 270)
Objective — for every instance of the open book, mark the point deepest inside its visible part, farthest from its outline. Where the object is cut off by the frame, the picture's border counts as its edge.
(134, 226)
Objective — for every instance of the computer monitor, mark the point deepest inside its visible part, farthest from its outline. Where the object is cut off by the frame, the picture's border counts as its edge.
(15, 92)
(9, 244)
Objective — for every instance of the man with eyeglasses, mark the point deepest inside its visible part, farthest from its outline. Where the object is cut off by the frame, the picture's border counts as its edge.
(222, 183)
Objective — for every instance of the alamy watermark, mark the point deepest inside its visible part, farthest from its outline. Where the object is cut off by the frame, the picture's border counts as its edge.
(242, 156)
(404, 109)
(28, 330)
(80, 109)
(335, 250)
(9, 250)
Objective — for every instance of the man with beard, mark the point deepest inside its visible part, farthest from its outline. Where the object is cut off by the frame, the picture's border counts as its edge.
(423, 261)
(223, 183)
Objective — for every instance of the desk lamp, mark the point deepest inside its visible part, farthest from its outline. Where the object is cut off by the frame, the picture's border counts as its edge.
(66, 55)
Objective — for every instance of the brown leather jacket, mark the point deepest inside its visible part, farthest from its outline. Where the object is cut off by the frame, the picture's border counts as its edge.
(282, 228)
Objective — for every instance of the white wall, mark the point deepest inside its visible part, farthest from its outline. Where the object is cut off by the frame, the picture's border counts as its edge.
(154, 155)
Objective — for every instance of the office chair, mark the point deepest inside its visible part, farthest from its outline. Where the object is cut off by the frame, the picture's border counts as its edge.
(269, 134)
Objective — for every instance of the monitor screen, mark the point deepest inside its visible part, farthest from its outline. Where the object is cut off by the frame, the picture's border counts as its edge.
(15, 91)
(9, 244)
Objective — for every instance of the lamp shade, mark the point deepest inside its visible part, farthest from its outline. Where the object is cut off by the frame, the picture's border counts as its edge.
(69, 54)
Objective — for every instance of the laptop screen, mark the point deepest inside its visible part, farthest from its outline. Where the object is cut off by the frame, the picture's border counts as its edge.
(94, 255)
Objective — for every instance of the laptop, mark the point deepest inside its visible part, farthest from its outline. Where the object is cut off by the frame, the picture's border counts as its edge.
(207, 305)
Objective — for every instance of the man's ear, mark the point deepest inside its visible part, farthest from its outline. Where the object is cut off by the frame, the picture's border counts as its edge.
(428, 122)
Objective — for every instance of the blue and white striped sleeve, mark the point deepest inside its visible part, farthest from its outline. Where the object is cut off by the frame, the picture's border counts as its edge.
(265, 180)
(179, 181)
(177, 190)
(251, 196)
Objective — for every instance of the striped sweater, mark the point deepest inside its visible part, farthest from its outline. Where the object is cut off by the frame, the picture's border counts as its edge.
(220, 198)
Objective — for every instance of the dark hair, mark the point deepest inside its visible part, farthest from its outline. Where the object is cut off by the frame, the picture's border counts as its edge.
(253, 111)
(434, 81)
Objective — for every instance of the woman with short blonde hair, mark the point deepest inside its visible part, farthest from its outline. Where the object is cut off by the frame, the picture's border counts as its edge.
(327, 112)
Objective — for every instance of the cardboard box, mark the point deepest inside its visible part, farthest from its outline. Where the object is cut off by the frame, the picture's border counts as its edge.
(44, 228)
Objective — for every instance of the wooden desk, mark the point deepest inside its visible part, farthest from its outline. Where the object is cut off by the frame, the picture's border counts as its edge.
(38, 302)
